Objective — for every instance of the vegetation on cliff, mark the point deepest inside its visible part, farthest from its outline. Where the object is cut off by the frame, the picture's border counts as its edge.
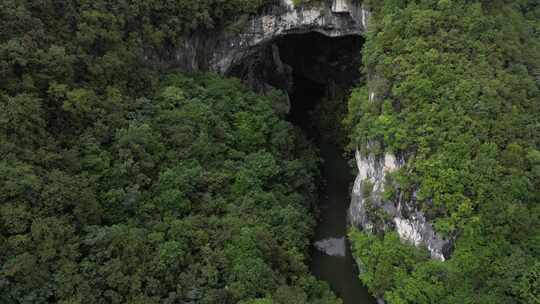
(456, 91)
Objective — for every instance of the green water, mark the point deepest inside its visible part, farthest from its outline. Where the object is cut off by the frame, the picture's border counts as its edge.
(339, 270)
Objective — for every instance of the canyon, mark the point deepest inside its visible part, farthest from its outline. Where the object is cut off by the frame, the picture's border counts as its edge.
(313, 48)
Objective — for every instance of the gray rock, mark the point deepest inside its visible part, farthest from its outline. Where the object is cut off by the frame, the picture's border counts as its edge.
(223, 49)
(404, 216)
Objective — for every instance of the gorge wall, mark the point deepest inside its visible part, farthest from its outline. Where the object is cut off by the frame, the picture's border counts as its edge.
(220, 50)
(401, 215)
(255, 51)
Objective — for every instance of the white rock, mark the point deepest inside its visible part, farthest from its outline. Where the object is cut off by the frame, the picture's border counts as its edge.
(340, 6)
(365, 17)
(407, 231)
(288, 3)
(414, 228)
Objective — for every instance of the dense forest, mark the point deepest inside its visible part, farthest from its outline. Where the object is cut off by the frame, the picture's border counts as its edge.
(456, 92)
(123, 184)
(201, 194)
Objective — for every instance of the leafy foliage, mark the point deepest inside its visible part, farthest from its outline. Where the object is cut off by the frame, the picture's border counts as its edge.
(199, 194)
(455, 90)
(122, 185)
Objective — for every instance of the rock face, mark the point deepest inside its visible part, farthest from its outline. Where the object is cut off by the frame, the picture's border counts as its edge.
(220, 51)
(371, 174)
(340, 6)
(334, 19)
(402, 216)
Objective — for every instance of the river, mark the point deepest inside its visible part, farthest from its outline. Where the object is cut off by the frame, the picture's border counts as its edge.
(336, 266)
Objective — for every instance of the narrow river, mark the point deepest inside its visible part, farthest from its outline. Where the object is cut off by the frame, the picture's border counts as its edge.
(331, 258)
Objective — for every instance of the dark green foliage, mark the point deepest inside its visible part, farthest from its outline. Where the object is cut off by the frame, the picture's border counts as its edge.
(329, 114)
(199, 194)
(388, 260)
(47, 45)
(457, 92)
(121, 185)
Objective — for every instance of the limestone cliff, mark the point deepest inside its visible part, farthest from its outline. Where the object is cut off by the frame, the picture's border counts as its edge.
(399, 214)
(402, 216)
(220, 50)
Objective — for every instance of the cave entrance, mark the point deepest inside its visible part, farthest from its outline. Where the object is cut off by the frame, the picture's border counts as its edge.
(310, 67)
(323, 68)
(304, 98)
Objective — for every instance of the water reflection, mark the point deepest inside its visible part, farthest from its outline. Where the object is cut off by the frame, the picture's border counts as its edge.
(331, 257)
(332, 246)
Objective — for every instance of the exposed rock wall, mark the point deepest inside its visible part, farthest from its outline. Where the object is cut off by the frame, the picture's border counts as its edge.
(403, 215)
(332, 18)
(340, 6)
(219, 51)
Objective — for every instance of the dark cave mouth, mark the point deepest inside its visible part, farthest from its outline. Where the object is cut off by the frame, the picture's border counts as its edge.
(304, 98)
(322, 67)
(321, 71)
(309, 67)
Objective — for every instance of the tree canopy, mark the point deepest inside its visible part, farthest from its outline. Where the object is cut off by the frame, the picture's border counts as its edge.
(456, 92)
(122, 184)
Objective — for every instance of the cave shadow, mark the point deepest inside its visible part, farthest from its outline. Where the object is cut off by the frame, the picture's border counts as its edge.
(322, 67)
(304, 98)
(309, 67)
